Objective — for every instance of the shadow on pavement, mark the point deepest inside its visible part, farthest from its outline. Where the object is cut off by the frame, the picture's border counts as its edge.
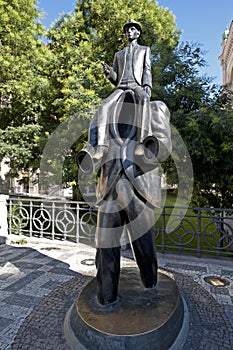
(28, 277)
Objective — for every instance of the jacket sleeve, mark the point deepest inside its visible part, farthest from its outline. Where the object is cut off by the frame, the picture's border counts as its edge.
(147, 76)
(113, 74)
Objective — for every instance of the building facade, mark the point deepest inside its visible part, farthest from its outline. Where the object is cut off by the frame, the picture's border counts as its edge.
(25, 183)
(226, 58)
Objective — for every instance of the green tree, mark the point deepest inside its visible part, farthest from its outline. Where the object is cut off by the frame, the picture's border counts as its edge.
(209, 135)
(20, 145)
(202, 114)
(25, 89)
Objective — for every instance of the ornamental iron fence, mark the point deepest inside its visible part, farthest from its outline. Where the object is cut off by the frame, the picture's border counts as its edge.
(201, 231)
(54, 219)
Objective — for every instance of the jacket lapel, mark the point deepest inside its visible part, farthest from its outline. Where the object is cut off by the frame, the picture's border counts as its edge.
(123, 57)
(135, 54)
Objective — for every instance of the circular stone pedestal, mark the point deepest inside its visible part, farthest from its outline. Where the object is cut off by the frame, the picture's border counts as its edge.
(148, 319)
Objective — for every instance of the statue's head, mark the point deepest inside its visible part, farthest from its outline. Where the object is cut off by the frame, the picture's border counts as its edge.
(132, 29)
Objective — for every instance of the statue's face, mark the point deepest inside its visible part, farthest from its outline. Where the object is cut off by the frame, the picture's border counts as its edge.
(132, 33)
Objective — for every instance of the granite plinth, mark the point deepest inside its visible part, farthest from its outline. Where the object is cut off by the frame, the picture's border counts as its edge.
(148, 319)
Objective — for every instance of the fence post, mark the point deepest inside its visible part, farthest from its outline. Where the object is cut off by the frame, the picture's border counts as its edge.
(77, 222)
(30, 218)
(163, 230)
(3, 218)
(199, 233)
(53, 220)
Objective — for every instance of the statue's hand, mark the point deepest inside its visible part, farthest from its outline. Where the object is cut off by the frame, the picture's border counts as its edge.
(147, 89)
(107, 68)
(110, 74)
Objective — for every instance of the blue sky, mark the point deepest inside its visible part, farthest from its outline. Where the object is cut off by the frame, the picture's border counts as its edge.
(201, 21)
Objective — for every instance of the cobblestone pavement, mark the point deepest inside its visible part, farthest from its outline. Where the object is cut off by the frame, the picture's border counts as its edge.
(39, 281)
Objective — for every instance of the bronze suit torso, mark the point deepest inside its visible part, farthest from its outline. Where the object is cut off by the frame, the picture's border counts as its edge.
(141, 66)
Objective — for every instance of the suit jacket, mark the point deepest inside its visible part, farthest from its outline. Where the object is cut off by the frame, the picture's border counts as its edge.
(141, 66)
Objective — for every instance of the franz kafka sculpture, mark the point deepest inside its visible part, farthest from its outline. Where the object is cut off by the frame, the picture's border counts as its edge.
(128, 138)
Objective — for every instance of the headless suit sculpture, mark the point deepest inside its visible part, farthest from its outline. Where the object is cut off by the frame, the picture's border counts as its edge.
(128, 138)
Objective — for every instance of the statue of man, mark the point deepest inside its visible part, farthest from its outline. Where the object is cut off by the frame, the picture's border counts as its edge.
(131, 70)
(126, 153)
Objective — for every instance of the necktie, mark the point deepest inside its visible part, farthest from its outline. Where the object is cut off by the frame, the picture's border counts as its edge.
(130, 49)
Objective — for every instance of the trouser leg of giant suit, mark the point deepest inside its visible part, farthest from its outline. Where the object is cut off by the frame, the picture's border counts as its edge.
(144, 250)
(108, 254)
(108, 267)
(139, 222)
(108, 272)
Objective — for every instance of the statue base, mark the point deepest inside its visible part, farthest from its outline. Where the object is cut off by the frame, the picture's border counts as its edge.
(149, 319)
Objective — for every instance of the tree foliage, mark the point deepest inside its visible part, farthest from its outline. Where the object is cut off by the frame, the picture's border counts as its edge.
(202, 113)
(208, 134)
(25, 88)
(20, 145)
(23, 84)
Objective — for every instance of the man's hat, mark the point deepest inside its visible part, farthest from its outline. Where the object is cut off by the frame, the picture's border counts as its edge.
(132, 23)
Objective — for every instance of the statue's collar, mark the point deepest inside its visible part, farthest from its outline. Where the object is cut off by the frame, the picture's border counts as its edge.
(133, 44)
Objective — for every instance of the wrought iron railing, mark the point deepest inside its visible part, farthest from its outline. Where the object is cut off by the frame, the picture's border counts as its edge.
(53, 219)
(200, 231)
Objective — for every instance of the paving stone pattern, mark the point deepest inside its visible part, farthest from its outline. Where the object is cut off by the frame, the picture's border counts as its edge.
(40, 280)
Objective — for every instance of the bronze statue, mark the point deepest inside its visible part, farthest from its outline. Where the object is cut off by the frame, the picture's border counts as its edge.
(128, 138)
(131, 70)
